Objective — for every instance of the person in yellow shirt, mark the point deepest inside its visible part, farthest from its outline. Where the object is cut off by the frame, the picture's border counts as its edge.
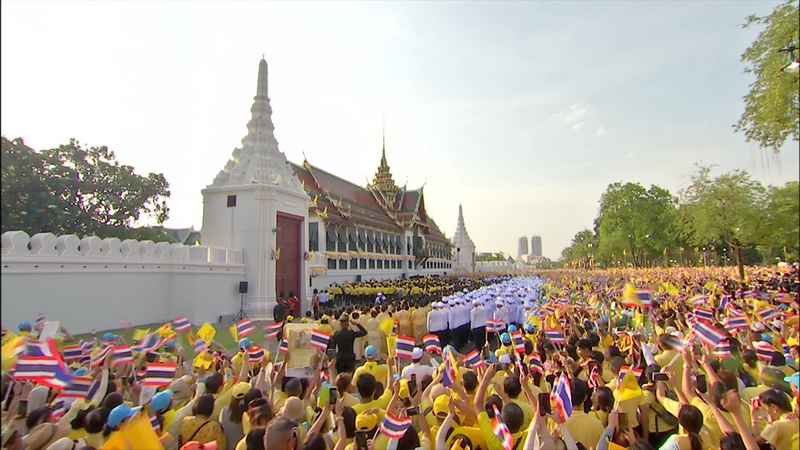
(512, 415)
(784, 425)
(371, 366)
(584, 428)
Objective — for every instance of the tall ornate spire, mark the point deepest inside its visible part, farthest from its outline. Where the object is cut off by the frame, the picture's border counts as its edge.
(461, 238)
(383, 180)
(259, 161)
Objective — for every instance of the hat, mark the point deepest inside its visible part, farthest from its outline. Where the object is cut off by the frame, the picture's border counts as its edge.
(147, 394)
(529, 327)
(240, 389)
(42, 435)
(370, 352)
(766, 337)
(304, 320)
(161, 401)
(441, 405)
(512, 328)
(170, 345)
(506, 338)
(670, 329)
(245, 343)
(79, 372)
(416, 353)
(109, 336)
(505, 358)
(366, 422)
(121, 413)
(344, 318)
(793, 379)
(25, 325)
(758, 326)
(65, 443)
(194, 445)
(293, 409)
(181, 391)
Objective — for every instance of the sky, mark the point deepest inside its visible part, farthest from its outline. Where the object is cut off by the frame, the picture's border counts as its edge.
(522, 112)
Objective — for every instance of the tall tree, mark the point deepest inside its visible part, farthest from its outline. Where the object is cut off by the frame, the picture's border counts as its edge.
(772, 109)
(729, 207)
(77, 190)
(636, 219)
(783, 218)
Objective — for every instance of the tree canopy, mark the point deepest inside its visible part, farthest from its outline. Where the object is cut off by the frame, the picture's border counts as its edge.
(78, 190)
(772, 109)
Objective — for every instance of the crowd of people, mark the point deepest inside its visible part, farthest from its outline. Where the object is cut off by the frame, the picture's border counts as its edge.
(675, 359)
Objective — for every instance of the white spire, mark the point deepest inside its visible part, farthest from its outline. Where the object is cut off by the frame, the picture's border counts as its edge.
(461, 238)
(259, 161)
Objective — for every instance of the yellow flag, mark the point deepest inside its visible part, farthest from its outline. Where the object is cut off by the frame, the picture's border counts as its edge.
(165, 330)
(386, 326)
(190, 336)
(11, 350)
(139, 433)
(628, 388)
(391, 345)
(234, 332)
(207, 332)
(203, 360)
(116, 442)
(8, 337)
(138, 334)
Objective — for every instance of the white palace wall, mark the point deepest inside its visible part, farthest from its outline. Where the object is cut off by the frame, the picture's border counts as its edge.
(91, 283)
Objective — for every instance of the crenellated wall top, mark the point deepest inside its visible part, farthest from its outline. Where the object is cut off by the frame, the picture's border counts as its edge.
(18, 244)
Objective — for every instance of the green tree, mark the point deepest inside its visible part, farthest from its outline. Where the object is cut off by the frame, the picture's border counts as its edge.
(728, 208)
(583, 247)
(771, 113)
(782, 222)
(634, 221)
(77, 190)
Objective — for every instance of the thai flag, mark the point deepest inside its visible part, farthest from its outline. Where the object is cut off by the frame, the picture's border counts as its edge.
(159, 374)
(519, 344)
(3, 333)
(72, 353)
(749, 294)
(46, 370)
(323, 377)
(123, 355)
(320, 339)
(244, 327)
(78, 387)
(101, 355)
(405, 346)
(768, 314)
(555, 337)
(535, 364)
(156, 424)
(86, 347)
(595, 379)
(200, 346)
(563, 397)
(181, 324)
(723, 349)
(708, 334)
(271, 331)
(623, 370)
(431, 343)
(148, 343)
(735, 321)
(256, 354)
(40, 319)
(284, 348)
(473, 358)
(698, 300)
(395, 427)
(38, 348)
(725, 301)
(638, 298)
(637, 372)
(59, 409)
(126, 322)
(765, 351)
(704, 314)
(783, 297)
(494, 325)
(501, 430)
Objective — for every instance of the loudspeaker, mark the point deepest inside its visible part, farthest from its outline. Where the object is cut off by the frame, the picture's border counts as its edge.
(243, 287)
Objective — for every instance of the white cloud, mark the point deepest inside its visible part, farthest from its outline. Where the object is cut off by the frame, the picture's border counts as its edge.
(630, 154)
(576, 114)
(602, 131)
(578, 125)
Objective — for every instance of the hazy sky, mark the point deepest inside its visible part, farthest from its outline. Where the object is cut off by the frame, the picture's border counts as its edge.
(523, 112)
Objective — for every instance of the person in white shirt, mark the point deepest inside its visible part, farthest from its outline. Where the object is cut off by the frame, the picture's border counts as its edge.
(437, 323)
(416, 371)
(478, 322)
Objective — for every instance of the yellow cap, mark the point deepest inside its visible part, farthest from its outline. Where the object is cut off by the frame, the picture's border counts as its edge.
(366, 422)
(441, 405)
(240, 389)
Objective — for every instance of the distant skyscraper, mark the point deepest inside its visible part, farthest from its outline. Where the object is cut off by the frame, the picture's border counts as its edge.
(522, 246)
(536, 245)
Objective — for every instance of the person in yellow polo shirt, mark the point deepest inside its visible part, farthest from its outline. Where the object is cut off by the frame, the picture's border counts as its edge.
(512, 415)
(784, 425)
(371, 366)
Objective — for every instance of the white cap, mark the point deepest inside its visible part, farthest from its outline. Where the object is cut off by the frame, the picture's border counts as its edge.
(505, 358)
(678, 334)
(670, 329)
(416, 353)
(499, 303)
(758, 326)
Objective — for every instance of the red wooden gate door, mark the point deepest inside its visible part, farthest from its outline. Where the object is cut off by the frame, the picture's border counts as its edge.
(287, 267)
